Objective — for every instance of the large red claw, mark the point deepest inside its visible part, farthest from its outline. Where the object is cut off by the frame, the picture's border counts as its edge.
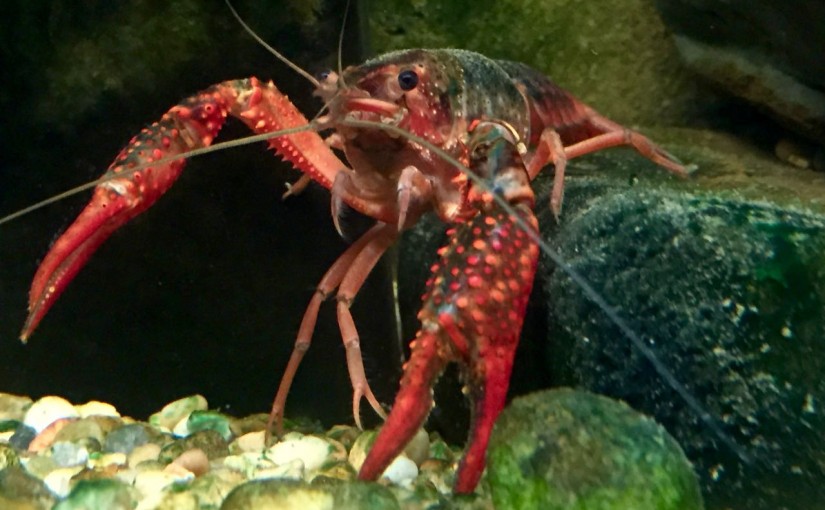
(105, 213)
(132, 185)
(472, 314)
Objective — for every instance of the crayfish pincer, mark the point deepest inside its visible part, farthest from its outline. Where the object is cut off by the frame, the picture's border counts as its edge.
(448, 131)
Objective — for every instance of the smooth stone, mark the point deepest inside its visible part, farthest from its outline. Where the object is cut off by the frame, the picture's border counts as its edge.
(144, 452)
(402, 471)
(22, 437)
(107, 460)
(293, 470)
(153, 482)
(80, 429)
(279, 495)
(97, 408)
(211, 442)
(211, 489)
(194, 460)
(208, 420)
(248, 463)
(67, 454)
(570, 449)
(360, 495)
(345, 434)
(172, 413)
(247, 424)
(126, 438)
(418, 449)
(250, 442)
(16, 486)
(13, 407)
(360, 448)
(312, 451)
(59, 480)
(99, 494)
(47, 410)
(39, 465)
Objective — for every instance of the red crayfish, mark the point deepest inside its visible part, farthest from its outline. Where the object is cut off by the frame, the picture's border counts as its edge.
(410, 124)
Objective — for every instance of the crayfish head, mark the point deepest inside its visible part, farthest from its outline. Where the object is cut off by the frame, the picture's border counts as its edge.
(406, 89)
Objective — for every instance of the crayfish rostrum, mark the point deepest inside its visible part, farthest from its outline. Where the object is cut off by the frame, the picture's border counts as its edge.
(449, 131)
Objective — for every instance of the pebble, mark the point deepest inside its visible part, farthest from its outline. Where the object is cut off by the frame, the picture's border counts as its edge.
(67, 454)
(172, 413)
(251, 442)
(45, 438)
(59, 480)
(96, 408)
(312, 451)
(47, 410)
(126, 438)
(142, 453)
(194, 460)
(13, 407)
(138, 463)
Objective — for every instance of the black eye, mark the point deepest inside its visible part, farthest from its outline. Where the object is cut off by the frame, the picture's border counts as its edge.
(323, 75)
(407, 80)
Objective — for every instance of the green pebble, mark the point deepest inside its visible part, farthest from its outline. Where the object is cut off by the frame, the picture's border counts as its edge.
(99, 493)
(209, 420)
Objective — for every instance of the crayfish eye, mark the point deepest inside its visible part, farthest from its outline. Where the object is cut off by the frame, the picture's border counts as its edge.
(323, 75)
(407, 80)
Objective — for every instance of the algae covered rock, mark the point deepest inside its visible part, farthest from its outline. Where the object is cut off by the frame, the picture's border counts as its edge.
(567, 449)
(616, 56)
(726, 285)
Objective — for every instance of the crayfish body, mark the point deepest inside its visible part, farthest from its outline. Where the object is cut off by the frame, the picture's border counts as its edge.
(448, 131)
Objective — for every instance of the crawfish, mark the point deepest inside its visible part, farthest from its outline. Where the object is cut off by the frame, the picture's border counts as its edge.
(408, 123)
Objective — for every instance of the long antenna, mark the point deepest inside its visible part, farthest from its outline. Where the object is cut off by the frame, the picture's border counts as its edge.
(295, 67)
(341, 45)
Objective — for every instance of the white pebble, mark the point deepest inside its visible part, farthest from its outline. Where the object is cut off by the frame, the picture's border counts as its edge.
(293, 470)
(46, 411)
(402, 471)
(58, 481)
(181, 428)
(311, 450)
(96, 408)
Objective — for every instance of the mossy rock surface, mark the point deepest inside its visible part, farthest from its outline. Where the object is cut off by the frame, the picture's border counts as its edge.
(615, 55)
(573, 450)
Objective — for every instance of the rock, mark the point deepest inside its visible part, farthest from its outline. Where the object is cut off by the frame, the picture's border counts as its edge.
(81, 429)
(721, 276)
(47, 410)
(59, 480)
(209, 441)
(66, 454)
(173, 412)
(101, 493)
(48, 435)
(126, 438)
(19, 489)
(279, 495)
(418, 449)
(250, 442)
(142, 453)
(208, 420)
(13, 407)
(150, 483)
(193, 460)
(615, 56)
(363, 495)
(22, 437)
(96, 408)
(569, 449)
(759, 51)
(312, 451)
